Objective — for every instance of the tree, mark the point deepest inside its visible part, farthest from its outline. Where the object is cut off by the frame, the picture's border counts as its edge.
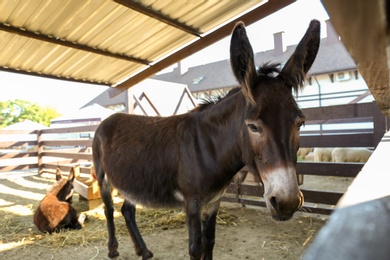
(14, 111)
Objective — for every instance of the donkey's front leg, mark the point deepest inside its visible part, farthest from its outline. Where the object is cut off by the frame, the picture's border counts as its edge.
(209, 222)
(71, 220)
(128, 212)
(194, 223)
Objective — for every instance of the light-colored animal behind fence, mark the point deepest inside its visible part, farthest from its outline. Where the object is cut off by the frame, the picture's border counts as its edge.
(303, 152)
(351, 154)
(322, 154)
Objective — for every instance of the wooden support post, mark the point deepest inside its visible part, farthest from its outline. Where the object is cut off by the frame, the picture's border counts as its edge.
(76, 170)
(380, 123)
(40, 152)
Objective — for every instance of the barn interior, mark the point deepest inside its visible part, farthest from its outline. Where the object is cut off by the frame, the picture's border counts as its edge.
(84, 37)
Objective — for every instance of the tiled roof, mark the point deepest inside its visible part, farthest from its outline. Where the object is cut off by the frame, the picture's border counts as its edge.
(332, 57)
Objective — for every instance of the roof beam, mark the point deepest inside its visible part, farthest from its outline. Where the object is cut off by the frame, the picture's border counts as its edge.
(159, 16)
(42, 37)
(31, 73)
(253, 16)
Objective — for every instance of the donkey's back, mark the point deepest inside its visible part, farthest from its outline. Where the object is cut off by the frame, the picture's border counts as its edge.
(140, 157)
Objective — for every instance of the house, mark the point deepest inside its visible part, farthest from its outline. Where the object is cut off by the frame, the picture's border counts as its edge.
(87, 115)
(151, 98)
(333, 78)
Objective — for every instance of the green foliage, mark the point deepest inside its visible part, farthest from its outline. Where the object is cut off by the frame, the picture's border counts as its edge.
(14, 111)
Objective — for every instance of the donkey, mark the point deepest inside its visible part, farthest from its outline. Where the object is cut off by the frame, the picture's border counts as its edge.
(55, 211)
(189, 160)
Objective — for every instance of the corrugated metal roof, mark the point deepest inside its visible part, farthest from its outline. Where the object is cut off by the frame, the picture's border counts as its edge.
(106, 42)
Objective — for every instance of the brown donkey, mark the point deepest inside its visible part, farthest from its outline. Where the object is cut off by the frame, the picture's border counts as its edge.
(55, 211)
(189, 160)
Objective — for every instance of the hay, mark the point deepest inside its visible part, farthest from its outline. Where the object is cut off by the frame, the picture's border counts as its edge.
(21, 229)
(18, 227)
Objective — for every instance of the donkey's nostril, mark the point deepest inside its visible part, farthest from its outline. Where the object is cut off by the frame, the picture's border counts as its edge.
(274, 202)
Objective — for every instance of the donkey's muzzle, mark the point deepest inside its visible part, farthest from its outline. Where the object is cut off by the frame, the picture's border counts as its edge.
(283, 208)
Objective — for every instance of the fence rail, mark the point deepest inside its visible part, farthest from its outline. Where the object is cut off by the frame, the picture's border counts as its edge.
(48, 149)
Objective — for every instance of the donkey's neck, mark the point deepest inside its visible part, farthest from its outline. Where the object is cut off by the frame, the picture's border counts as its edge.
(56, 187)
(221, 126)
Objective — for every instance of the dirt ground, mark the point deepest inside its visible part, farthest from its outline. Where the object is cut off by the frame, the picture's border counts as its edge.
(242, 233)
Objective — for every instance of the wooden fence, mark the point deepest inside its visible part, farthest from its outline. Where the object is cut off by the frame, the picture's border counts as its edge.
(47, 149)
(65, 147)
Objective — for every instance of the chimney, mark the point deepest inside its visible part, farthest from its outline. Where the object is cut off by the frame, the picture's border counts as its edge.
(181, 68)
(332, 36)
(279, 47)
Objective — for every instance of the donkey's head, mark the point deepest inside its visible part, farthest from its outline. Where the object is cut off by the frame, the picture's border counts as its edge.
(63, 188)
(272, 117)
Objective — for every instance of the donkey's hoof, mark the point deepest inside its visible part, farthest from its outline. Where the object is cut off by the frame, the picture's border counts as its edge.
(113, 253)
(147, 255)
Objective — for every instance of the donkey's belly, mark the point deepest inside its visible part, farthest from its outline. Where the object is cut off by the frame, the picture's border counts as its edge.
(156, 199)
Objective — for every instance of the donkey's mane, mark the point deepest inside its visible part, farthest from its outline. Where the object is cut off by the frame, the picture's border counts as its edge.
(55, 189)
(269, 70)
(208, 102)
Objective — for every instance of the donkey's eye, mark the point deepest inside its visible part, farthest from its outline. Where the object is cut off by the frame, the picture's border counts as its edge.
(300, 124)
(253, 128)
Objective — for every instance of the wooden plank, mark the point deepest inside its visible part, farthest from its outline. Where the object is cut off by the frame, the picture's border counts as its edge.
(316, 210)
(17, 155)
(341, 121)
(71, 150)
(9, 168)
(311, 196)
(344, 140)
(88, 192)
(17, 132)
(70, 142)
(337, 131)
(338, 112)
(83, 156)
(329, 169)
(245, 201)
(9, 144)
(245, 189)
(76, 129)
(81, 188)
(322, 197)
(380, 125)
(259, 203)
(66, 166)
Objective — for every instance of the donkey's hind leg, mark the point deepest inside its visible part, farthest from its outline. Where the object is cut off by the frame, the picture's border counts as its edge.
(105, 192)
(128, 212)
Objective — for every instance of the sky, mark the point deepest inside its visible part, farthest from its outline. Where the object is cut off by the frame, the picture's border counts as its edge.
(67, 97)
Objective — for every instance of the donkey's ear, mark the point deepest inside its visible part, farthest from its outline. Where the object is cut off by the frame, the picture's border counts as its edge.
(242, 61)
(58, 174)
(296, 68)
(71, 174)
